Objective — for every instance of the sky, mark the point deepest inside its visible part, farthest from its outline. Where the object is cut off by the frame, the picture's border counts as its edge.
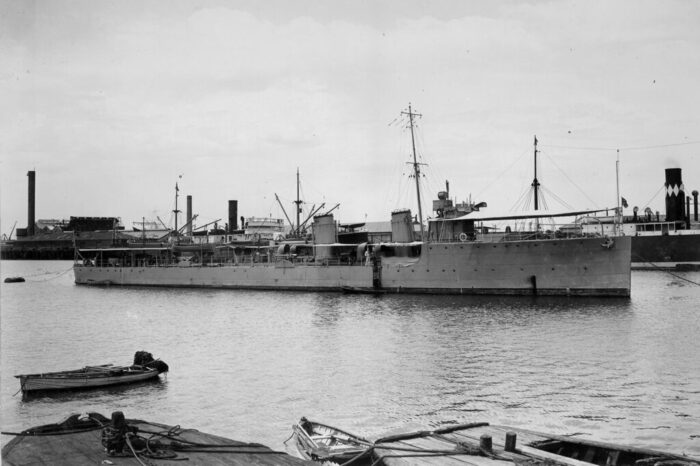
(113, 103)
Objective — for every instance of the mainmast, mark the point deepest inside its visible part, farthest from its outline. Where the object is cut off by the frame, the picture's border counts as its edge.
(618, 212)
(416, 168)
(536, 184)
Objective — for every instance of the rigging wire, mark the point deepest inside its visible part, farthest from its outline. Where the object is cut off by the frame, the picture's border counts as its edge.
(523, 199)
(508, 168)
(557, 198)
(662, 188)
(570, 180)
(657, 146)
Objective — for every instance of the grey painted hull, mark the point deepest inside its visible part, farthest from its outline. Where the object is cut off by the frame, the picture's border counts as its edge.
(546, 267)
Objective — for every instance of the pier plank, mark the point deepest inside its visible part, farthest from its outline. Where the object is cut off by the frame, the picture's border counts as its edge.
(436, 444)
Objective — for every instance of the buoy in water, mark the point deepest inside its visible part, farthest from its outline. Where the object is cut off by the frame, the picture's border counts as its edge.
(14, 279)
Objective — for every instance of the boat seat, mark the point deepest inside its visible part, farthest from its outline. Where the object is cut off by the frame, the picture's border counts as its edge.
(612, 458)
(590, 454)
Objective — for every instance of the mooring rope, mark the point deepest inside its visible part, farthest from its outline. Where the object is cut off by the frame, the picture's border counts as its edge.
(665, 270)
(43, 274)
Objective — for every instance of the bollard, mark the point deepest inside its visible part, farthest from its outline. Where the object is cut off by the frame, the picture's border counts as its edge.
(485, 442)
(511, 438)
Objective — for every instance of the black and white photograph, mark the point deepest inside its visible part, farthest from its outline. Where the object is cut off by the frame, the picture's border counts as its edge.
(350, 232)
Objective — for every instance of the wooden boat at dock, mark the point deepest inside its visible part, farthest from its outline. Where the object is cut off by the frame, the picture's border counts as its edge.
(143, 368)
(482, 444)
(92, 439)
(321, 442)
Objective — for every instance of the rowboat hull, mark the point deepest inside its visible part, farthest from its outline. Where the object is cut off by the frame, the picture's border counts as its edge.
(321, 442)
(46, 382)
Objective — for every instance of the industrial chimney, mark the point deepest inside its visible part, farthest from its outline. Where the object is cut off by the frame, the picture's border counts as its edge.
(189, 215)
(232, 216)
(30, 211)
(675, 195)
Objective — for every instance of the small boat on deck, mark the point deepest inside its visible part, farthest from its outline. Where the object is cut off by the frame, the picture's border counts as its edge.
(143, 368)
(321, 442)
(481, 444)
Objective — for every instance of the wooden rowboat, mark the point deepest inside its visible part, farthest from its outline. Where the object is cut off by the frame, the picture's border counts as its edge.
(481, 444)
(144, 368)
(321, 442)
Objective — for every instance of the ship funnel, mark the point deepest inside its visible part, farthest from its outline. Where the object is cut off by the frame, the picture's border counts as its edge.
(232, 216)
(695, 204)
(325, 234)
(31, 199)
(189, 215)
(324, 229)
(401, 226)
(675, 195)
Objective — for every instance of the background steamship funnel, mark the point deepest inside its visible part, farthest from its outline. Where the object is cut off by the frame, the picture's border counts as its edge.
(675, 195)
(30, 207)
(233, 216)
(189, 215)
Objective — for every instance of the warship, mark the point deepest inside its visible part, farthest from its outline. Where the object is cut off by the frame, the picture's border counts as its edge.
(456, 254)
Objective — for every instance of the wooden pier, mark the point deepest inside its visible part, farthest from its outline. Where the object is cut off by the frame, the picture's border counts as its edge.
(95, 440)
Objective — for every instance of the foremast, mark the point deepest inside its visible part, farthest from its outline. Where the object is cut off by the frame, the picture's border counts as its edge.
(536, 187)
(416, 168)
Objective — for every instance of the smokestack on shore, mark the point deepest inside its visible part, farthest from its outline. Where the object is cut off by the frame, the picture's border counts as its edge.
(31, 200)
(675, 195)
(232, 216)
(189, 215)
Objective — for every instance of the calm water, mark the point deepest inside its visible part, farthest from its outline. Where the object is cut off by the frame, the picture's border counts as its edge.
(248, 364)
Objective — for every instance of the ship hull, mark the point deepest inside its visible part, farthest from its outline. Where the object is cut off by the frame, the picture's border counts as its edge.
(666, 248)
(584, 266)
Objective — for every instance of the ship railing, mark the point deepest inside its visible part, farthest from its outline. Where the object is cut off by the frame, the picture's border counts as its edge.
(525, 236)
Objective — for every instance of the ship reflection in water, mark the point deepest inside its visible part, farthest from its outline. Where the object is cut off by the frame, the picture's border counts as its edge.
(247, 364)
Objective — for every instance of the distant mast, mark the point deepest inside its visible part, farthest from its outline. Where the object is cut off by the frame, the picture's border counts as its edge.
(176, 211)
(416, 168)
(298, 203)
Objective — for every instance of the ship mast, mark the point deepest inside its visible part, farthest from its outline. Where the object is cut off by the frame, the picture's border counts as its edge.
(536, 184)
(176, 211)
(536, 188)
(298, 203)
(618, 212)
(416, 168)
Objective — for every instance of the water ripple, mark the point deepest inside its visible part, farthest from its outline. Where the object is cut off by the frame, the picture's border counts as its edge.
(248, 364)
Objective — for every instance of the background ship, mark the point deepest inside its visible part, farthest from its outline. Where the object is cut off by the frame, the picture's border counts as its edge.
(658, 240)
